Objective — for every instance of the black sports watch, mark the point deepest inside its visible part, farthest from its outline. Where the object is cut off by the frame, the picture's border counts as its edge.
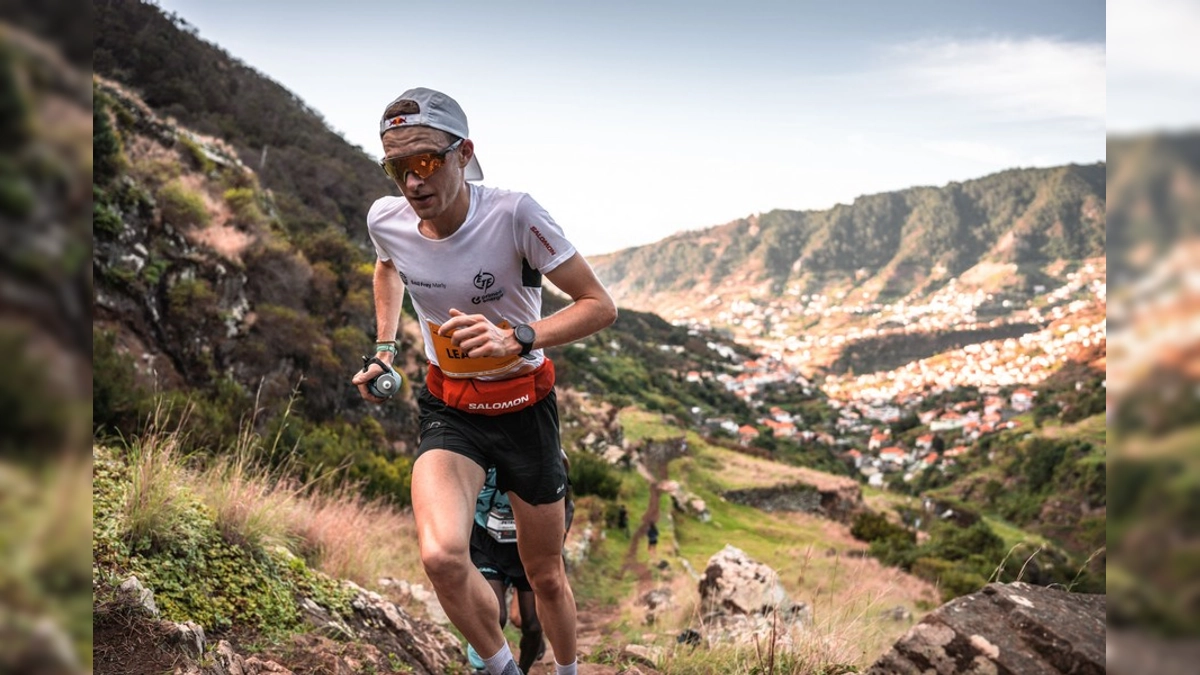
(525, 336)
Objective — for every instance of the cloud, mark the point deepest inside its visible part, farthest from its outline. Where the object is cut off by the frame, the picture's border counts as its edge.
(1152, 74)
(983, 153)
(1154, 37)
(1016, 79)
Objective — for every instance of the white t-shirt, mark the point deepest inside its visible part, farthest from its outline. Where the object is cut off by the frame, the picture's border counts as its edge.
(492, 266)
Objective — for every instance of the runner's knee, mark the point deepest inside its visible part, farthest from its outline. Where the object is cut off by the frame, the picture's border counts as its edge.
(445, 563)
(549, 582)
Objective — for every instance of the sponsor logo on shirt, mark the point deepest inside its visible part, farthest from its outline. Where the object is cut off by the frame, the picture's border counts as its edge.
(483, 281)
(416, 282)
(502, 405)
(490, 297)
(538, 233)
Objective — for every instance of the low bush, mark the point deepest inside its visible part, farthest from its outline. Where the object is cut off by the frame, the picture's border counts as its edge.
(244, 203)
(870, 526)
(181, 206)
(591, 475)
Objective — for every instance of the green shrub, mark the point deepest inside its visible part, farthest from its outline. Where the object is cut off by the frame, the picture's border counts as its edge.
(193, 303)
(953, 580)
(964, 543)
(16, 196)
(106, 222)
(244, 203)
(591, 475)
(107, 158)
(196, 153)
(333, 246)
(36, 412)
(153, 270)
(16, 106)
(196, 575)
(181, 206)
(870, 526)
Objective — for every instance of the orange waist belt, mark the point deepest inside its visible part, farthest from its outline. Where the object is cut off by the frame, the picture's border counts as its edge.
(492, 397)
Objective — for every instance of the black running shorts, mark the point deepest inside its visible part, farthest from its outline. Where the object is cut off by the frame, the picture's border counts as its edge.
(524, 445)
(496, 560)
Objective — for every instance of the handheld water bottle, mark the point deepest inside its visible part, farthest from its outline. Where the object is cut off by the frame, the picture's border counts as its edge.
(385, 384)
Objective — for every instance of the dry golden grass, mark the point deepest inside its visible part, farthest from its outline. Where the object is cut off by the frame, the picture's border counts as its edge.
(339, 532)
(154, 501)
(250, 507)
(350, 537)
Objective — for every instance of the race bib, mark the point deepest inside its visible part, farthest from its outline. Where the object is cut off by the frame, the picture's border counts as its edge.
(456, 364)
(502, 526)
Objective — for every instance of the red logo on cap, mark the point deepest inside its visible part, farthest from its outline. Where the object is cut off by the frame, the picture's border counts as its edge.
(395, 121)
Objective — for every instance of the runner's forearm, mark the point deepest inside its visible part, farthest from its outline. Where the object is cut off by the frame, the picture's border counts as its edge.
(585, 316)
(389, 300)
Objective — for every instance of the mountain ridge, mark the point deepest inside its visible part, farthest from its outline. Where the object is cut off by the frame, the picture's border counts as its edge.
(1025, 216)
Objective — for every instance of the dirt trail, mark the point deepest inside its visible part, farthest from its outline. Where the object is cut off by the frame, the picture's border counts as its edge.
(595, 621)
(654, 475)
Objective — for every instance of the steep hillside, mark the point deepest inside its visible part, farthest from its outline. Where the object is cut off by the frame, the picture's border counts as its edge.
(893, 277)
(904, 241)
(319, 179)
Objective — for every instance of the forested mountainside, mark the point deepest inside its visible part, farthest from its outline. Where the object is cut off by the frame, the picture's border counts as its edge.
(906, 241)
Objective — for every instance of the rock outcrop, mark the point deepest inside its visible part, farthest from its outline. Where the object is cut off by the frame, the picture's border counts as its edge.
(686, 502)
(1005, 628)
(743, 601)
(737, 584)
(377, 635)
(835, 499)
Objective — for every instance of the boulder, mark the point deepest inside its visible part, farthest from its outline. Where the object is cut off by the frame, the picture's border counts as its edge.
(1005, 628)
(189, 636)
(685, 501)
(733, 583)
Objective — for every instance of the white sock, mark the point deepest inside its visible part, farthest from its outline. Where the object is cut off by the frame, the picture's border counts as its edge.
(568, 669)
(497, 663)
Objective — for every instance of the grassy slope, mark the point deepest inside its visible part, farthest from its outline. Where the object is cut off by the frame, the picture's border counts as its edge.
(847, 594)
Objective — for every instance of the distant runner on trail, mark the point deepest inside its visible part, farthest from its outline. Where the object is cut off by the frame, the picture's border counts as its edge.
(652, 538)
(472, 259)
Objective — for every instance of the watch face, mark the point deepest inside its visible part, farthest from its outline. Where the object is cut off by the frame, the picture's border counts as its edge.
(525, 334)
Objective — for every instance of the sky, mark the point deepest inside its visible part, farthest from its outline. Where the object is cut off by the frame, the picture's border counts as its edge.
(631, 121)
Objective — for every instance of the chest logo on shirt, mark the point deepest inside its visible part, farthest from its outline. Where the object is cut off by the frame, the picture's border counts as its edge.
(484, 281)
(409, 283)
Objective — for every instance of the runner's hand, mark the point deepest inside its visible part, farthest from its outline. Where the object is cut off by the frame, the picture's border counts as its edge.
(476, 335)
(362, 377)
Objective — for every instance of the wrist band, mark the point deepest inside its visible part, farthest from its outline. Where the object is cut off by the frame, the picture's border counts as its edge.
(386, 347)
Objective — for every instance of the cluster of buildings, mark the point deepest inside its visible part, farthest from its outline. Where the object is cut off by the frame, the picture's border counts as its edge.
(957, 426)
(1026, 360)
(1073, 316)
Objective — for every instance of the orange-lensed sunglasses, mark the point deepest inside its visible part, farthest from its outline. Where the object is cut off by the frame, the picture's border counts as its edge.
(424, 164)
